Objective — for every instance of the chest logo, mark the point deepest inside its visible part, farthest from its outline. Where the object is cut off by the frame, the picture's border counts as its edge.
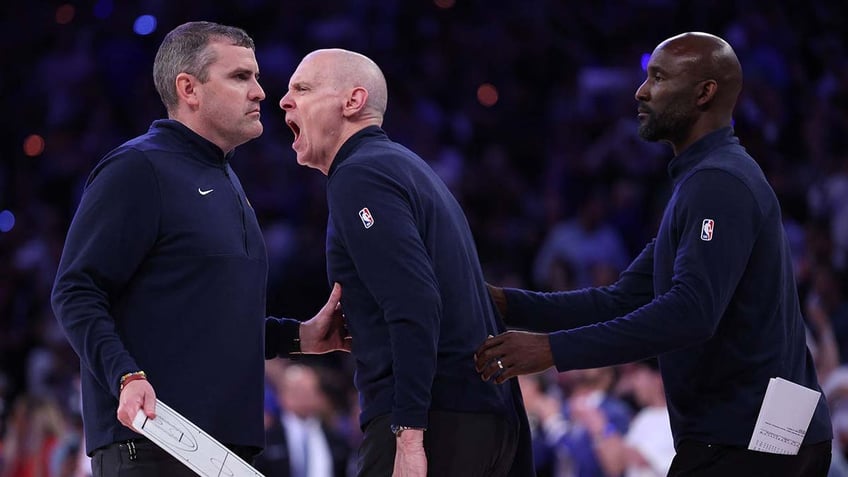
(707, 227)
(204, 192)
(367, 218)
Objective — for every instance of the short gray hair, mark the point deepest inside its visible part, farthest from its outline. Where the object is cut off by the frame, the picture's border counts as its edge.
(185, 50)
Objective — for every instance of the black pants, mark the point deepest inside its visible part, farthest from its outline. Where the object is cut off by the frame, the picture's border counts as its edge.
(696, 459)
(457, 445)
(142, 458)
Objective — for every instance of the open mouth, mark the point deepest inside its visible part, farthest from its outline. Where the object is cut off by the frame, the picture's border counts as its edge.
(295, 129)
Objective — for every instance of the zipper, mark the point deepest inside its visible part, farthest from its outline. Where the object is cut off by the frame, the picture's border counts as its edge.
(241, 208)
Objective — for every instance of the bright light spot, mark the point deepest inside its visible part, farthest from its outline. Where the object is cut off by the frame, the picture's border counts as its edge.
(646, 57)
(65, 14)
(103, 8)
(145, 25)
(7, 220)
(444, 3)
(487, 94)
(33, 145)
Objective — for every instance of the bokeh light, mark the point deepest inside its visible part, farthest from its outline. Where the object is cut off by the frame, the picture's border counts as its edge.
(65, 14)
(444, 3)
(487, 94)
(103, 8)
(646, 57)
(7, 221)
(33, 145)
(145, 25)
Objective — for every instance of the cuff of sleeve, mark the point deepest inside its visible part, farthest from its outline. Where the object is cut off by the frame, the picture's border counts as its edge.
(406, 419)
(282, 337)
(559, 342)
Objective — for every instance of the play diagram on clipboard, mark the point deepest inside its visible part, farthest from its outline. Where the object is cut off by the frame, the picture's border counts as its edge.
(191, 445)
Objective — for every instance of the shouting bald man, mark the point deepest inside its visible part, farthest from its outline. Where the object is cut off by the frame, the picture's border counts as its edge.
(414, 297)
(713, 296)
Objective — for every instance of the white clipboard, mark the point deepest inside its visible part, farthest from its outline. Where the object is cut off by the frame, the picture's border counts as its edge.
(191, 445)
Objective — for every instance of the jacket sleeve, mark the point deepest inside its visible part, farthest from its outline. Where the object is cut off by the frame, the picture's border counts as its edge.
(280, 336)
(705, 274)
(114, 228)
(391, 260)
(547, 312)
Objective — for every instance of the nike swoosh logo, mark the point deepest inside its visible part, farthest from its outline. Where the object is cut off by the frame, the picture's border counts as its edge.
(204, 192)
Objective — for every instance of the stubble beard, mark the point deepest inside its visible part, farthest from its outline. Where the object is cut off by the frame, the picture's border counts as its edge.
(670, 125)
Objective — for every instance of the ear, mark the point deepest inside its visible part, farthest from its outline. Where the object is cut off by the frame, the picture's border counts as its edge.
(355, 102)
(186, 91)
(706, 92)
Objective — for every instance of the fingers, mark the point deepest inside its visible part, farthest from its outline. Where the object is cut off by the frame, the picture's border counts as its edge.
(487, 352)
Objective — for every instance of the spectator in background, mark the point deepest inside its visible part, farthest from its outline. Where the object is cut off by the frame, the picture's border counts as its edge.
(647, 449)
(593, 414)
(36, 428)
(587, 242)
(547, 424)
(301, 442)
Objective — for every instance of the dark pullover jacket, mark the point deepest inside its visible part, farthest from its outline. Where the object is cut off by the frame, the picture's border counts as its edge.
(414, 295)
(713, 295)
(164, 270)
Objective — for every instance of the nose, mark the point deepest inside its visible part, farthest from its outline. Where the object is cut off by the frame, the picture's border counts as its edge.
(642, 92)
(286, 103)
(258, 94)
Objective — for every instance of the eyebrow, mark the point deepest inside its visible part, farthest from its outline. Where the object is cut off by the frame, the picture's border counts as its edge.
(239, 70)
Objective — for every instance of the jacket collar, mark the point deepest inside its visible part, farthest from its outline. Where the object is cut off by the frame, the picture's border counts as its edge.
(353, 143)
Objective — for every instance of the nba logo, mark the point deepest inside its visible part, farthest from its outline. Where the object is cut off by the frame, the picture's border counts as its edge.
(365, 215)
(707, 230)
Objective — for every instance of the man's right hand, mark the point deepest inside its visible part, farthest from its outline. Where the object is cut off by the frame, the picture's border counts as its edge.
(136, 395)
(326, 331)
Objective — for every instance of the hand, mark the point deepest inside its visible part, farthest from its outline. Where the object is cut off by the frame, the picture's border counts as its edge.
(513, 353)
(410, 457)
(136, 395)
(326, 331)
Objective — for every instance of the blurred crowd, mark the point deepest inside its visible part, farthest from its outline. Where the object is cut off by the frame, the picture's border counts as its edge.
(525, 109)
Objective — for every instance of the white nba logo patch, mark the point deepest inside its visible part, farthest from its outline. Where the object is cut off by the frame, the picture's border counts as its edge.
(707, 228)
(367, 219)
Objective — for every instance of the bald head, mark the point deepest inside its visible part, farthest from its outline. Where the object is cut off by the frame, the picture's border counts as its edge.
(690, 90)
(707, 56)
(348, 69)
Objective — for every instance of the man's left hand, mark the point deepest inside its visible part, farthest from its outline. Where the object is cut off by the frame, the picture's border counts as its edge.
(513, 353)
(410, 457)
(326, 331)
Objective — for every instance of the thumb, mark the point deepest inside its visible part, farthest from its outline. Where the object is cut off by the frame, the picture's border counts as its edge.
(335, 295)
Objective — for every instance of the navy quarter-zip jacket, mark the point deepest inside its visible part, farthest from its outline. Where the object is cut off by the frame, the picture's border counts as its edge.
(164, 270)
(713, 295)
(414, 296)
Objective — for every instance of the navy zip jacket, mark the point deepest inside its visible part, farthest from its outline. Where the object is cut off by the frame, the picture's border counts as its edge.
(164, 270)
(713, 295)
(414, 296)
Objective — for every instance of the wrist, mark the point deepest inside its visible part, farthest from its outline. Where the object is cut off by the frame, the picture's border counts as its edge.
(130, 377)
(399, 431)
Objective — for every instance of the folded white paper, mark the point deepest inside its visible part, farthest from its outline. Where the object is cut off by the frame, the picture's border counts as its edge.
(784, 417)
(190, 445)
